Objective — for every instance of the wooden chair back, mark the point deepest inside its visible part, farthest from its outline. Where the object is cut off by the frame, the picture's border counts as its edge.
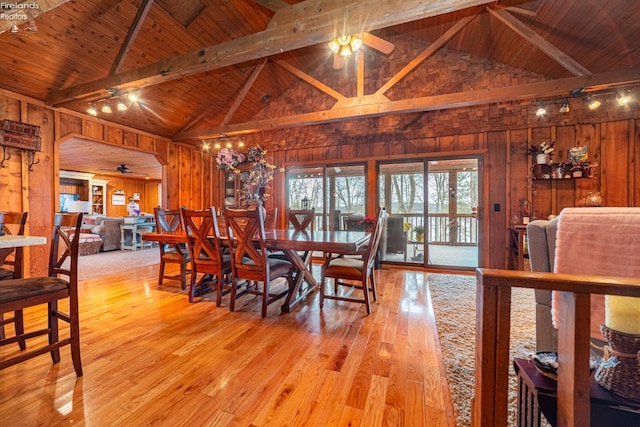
(19, 294)
(374, 242)
(246, 234)
(270, 218)
(203, 236)
(302, 220)
(12, 223)
(65, 246)
(167, 220)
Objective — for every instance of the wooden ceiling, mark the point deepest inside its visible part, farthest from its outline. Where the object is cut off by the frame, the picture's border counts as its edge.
(83, 155)
(207, 68)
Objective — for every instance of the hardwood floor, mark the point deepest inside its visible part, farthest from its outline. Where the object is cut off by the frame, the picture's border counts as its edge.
(150, 357)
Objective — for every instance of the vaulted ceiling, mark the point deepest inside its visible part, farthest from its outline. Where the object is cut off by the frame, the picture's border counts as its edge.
(206, 68)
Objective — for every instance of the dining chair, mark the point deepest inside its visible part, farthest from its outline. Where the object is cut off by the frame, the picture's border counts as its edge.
(12, 223)
(249, 257)
(169, 221)
(61, 283)
(346, 270)
(302, 220)
(270, 218)
(207, 257)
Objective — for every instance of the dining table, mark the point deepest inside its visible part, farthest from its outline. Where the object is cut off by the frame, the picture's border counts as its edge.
(298, 247)
(8, 242)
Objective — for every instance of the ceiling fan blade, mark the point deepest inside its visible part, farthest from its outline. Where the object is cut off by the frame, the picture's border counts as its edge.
(377, 43)
(338, 62)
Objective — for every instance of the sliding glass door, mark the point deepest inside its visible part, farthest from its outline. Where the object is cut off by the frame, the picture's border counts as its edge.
(432, 206)
(337, 193)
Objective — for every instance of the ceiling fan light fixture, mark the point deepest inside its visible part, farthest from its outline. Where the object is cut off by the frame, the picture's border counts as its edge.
(334, 46)
(565, 107)
(345, 45)
(356, 43)
(541, 111)
(133, 97)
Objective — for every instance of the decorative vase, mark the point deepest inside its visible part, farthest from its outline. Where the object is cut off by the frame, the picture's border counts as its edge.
(541, 159)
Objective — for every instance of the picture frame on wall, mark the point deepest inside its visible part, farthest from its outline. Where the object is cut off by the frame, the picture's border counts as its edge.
(118, 200)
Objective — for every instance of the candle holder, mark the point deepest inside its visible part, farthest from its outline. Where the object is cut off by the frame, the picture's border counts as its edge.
(619, 371)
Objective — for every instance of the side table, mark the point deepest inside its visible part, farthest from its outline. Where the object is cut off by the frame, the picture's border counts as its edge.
(537, 396)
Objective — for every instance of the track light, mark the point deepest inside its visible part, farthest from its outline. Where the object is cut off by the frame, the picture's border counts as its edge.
(565, 107)
(593, 104)
(624, 99)
(541, 111)
(121, 105)
(106, 108)
(92, 110)
(14, 29)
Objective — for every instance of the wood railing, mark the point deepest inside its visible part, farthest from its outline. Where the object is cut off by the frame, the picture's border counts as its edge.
(493, 302)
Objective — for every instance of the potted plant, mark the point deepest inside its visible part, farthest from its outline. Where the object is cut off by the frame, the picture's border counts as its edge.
(581, 168)
(419, 230)
(367, 223)
(543, 152)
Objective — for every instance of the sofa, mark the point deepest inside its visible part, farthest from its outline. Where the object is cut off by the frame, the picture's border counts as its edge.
(109, 230)
(541, 243)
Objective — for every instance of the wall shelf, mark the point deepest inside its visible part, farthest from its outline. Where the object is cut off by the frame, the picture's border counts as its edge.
(554, 171)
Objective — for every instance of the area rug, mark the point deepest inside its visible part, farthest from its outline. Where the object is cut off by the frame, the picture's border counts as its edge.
(105, 263)
(454, 305)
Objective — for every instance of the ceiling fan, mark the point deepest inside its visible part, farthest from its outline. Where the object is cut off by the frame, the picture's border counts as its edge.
(347, 43)
(345, 46)
(123, 169)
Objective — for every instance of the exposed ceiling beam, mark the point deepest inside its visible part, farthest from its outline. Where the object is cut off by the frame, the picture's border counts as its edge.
(301, 25)
(308, 79)
(273, 5)
(537, 41)
(373, 107)
(131, 35)
(43, 7)
(245, 90)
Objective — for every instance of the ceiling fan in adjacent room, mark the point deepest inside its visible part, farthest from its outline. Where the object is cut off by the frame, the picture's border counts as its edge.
(123, 169)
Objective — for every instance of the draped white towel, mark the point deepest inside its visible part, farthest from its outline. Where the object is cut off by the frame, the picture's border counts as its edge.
(597, 241)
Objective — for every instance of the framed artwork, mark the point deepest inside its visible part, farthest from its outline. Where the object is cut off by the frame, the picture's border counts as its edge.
(118, 200)
(577, 154)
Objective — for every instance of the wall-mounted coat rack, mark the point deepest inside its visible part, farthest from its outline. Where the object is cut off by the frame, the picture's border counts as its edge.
(22, 136)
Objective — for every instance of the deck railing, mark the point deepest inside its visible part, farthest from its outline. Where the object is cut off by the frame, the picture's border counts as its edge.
(463, 230)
